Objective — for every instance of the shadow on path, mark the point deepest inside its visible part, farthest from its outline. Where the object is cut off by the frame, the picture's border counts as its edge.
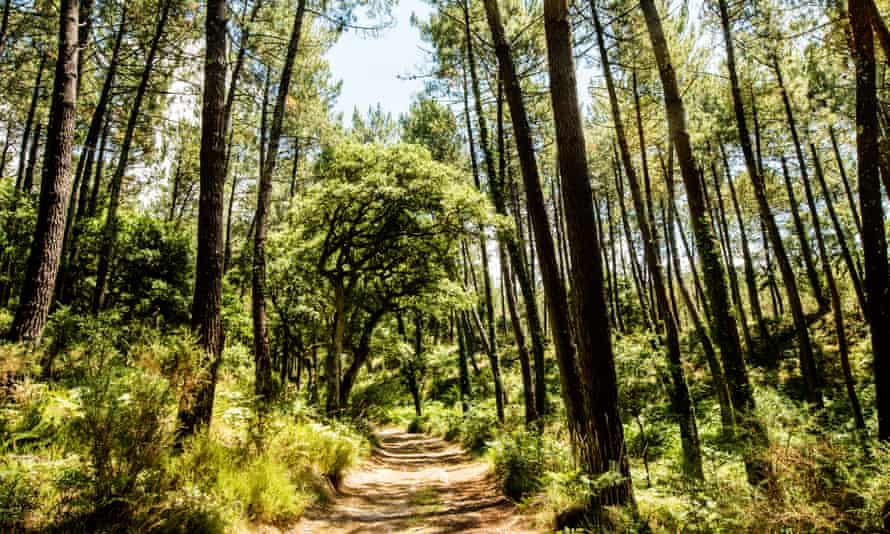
(419, 484)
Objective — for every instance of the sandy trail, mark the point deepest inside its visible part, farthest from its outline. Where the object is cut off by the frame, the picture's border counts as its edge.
(419, 484)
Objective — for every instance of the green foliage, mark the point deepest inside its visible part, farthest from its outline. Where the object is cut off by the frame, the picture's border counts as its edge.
(519, 462)
(124, 433)
(18, 494)
(264, 491)
(153, 271)
(432, 125)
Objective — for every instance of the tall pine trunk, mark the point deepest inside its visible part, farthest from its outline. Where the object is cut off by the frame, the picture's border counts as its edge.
(110, 229)
(264, 385)
(874, 243)
(491, 173)
(723, 325)
(603, 448)
(46, 246)
(555, 297)
(680, 397)
(196, 407)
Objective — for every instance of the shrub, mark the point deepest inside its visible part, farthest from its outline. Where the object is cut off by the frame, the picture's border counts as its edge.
(18, 495)
(519, 462)
(325, 450)
(264, 490)
(477, 428)
(124, 430)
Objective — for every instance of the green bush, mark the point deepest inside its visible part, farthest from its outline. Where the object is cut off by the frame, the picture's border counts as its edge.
(519, 462)
(125, 432)
(18, 495)
(264, 490)
(476, 428)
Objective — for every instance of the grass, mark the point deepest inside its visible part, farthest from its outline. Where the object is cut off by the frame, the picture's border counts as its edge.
(94, 450)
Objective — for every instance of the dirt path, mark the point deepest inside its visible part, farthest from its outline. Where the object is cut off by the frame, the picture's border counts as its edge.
(418, 484)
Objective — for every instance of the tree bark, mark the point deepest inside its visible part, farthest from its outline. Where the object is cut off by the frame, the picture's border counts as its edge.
(29, 121)
(100, 161)
(491, 173)
(807, 361)
(727, 415)
(46, 248)
(801, 161)
(28, 182)
(874, 243)
(837, 311)
(555, 298)
(513, 92)
(836, 225)
(84, 169)
(604, 448)
(525, 368)
(110, 229)
(723, 228)
(333, 362)
(196, 407)
(750, 277)
(843, 172)
(680, 398)
(723, 324)
(264, 384)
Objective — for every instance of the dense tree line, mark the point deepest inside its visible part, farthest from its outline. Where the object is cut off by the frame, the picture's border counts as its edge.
(527, 203)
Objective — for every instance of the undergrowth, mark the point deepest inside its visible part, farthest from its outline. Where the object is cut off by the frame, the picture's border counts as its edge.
(93, 449)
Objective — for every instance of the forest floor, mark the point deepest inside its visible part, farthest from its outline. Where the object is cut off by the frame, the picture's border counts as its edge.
(419, 484)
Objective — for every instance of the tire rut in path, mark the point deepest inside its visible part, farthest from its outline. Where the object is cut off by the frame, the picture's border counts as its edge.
(419, 484)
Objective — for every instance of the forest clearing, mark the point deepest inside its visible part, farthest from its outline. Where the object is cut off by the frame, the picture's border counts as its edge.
(436, 266)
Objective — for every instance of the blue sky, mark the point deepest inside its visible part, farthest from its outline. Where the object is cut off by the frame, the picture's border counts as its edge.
(370, 66)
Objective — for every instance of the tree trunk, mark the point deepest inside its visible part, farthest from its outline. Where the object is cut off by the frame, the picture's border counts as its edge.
(264, 384)
(727, 415)
(463, 368)
(874, 244)
(83, 37)
(196, 407)
(775, 296)
(837, 311)
(680, 398)
(807, 359)
(492, 183)
(100, 164)
(29, 121)
(635, 270)
(616, 297)
(603, 447)
(843, 172)
(554, 290)
(525, 368)
(46, 246)
(333, 362)
(28, 182)
(723, 228)
(750, 277)
(96, 123)
(6, 145)
(723, 325)
(360, 356)
(227, 255)
(109, 231)
(836, 225)
(801, 161)
(512, 242)
(4, 26)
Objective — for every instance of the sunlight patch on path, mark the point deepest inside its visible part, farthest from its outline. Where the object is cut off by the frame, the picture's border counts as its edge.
(418, 484)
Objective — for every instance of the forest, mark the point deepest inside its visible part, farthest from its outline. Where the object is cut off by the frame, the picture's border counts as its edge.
(621, 266)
